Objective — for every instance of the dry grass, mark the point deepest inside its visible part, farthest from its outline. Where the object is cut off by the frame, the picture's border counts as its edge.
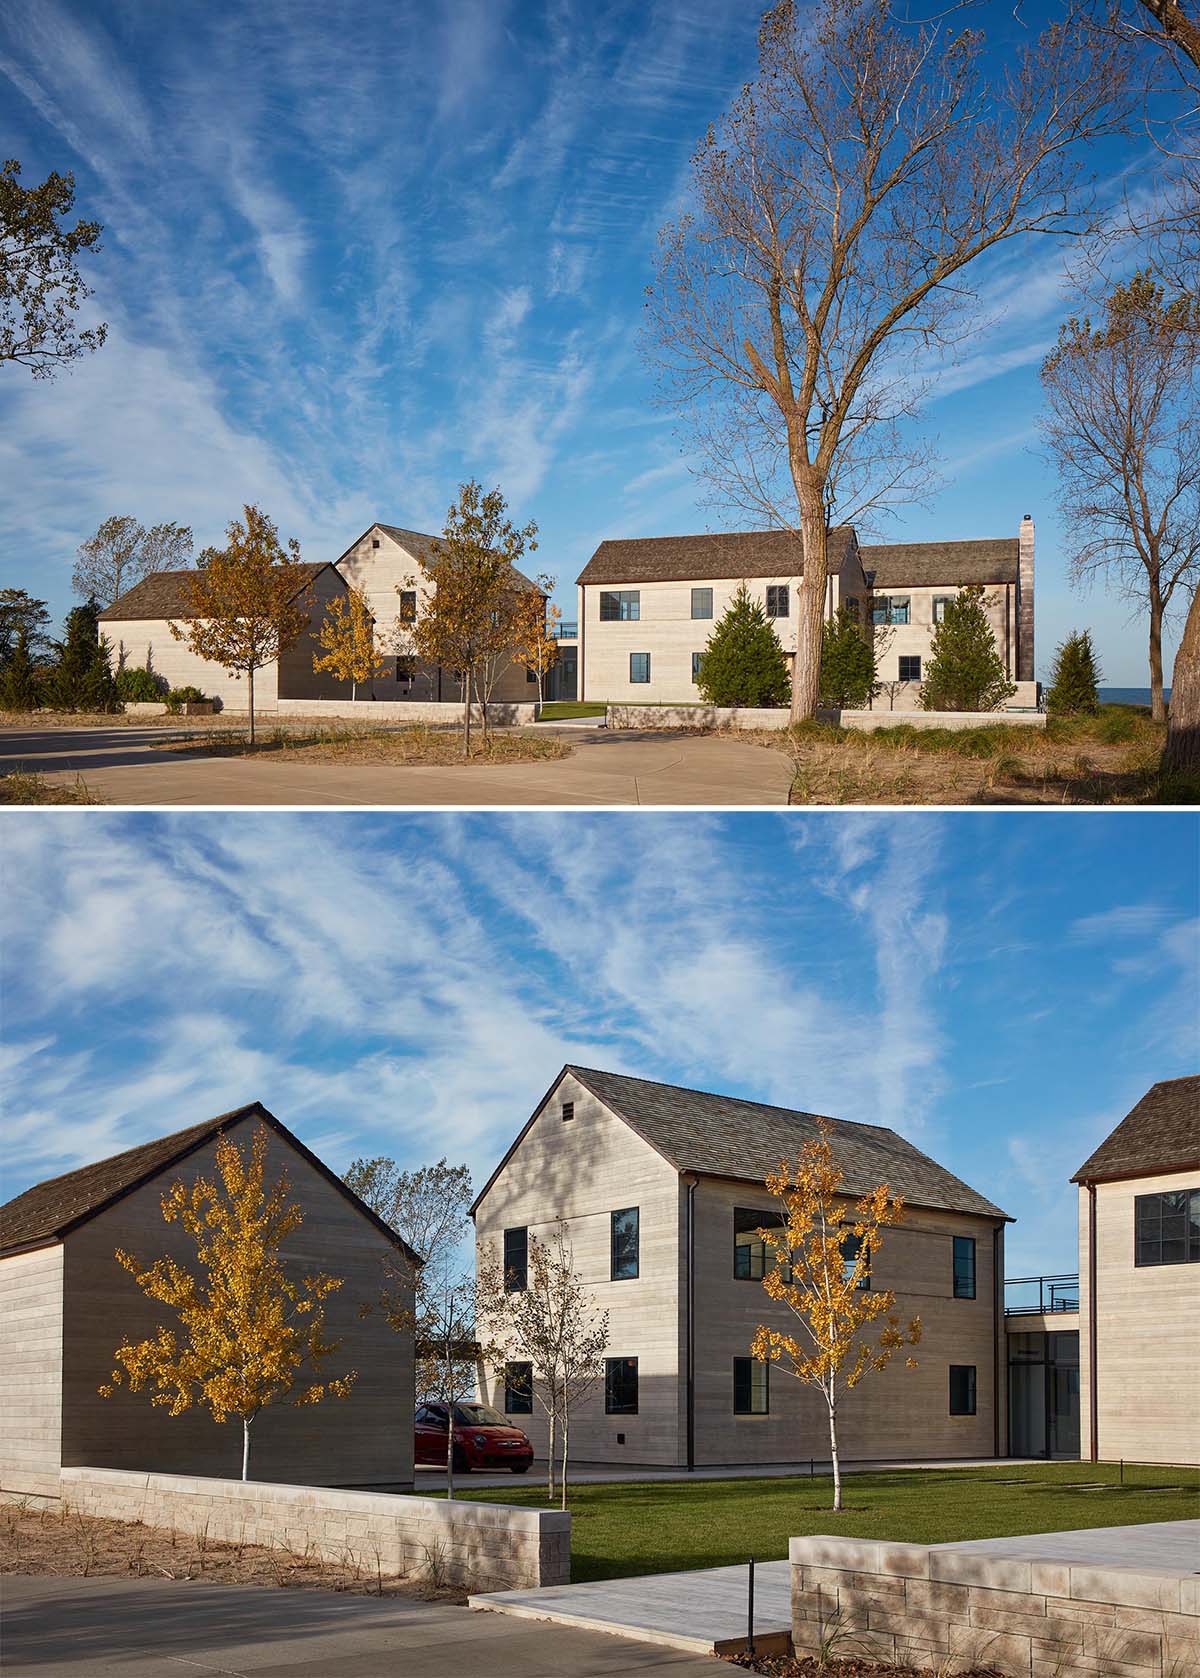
(811, 1666)
(415, 744)
(48, 1540)
(19, 788)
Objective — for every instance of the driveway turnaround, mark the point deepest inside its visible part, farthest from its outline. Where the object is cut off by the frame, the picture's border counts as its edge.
(121, 766)
(148, 1628)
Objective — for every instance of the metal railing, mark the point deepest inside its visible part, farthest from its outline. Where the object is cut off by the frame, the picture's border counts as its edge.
(563, 631)
(1040, 1295)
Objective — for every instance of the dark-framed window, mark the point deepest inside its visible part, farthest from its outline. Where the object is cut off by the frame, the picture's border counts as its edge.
(404, 672)
(518, 1389)
(751, 1254)
(639, 667)
(851, 1245)
(374, 541)
(962, 1389)
(890, 608)
(516, 1260)
(620, 605)
(530, 675)
(751, 1387)
(697, 662)
(702, 602)
(940, 602)
(778, 596)
(620, 1386)
(568, 1111)
(623, 1245)
(964, 1267)
(408, 605)
(1166, 1227)
(910, 667)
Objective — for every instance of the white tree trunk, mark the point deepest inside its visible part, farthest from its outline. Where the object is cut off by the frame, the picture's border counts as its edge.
(550, 1464)
(449, 1451)
(245, 1447)
(250, 681)
(833, 1452)
(563, 1477)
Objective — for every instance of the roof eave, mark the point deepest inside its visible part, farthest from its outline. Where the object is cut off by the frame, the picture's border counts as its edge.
(1133, 1173)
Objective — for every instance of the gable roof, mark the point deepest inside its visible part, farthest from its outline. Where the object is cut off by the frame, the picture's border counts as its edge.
(724, 1136)
(955, 564)
(165, 594)
(1161, 1134)
(48, 1211)
(726, 555)
(417, 543)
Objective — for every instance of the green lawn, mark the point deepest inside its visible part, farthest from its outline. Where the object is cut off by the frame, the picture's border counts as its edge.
(669, 1525)
(562, 710)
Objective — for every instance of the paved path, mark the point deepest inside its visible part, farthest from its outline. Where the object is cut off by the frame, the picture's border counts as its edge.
(147, 1628)
(121, 766)
(595, 1474)
(1170, 1546)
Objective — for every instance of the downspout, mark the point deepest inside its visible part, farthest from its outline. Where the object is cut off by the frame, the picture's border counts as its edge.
(1008, 663)
(999, 1371)
(1093, 1400)
(582, 677)
(690, 1349)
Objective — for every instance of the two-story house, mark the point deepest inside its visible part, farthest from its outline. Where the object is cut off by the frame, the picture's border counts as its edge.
(661, 1193)
(648, 605)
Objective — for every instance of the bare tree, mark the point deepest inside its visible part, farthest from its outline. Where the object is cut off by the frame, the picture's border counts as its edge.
(122, 552)
(839, 207)
(1123, 426)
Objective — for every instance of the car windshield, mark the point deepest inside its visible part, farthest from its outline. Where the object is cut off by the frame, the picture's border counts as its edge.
(478, 1415)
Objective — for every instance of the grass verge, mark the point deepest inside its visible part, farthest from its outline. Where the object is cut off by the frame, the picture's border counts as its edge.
(17, 787)
(668, 1525)
(415, 744)
(563, 710)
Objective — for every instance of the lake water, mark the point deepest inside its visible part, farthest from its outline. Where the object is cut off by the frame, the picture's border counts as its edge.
(1128, 696)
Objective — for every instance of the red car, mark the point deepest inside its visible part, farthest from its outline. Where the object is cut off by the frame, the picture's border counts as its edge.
(482, 1439)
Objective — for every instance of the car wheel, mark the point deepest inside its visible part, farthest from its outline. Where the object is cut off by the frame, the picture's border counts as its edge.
(519, 1467)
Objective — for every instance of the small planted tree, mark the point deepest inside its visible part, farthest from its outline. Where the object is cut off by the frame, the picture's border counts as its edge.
(247, 601)
(347, 637)
(848, 660)
(122, 552)
(822, 1253)
(1074, 680)
(249, 1334)
(743, 663)
(965, 671)
(536, 647)
(554, 1323)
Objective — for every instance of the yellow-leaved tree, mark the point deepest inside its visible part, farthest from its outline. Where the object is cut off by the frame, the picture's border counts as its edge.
(347, 634)
(821, 1271)
(537, 646)
(250, 1335)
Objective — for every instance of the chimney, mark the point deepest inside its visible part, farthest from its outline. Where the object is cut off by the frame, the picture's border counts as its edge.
(1025, 600)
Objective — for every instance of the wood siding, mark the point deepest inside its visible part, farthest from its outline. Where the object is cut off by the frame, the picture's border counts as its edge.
(31, 1344)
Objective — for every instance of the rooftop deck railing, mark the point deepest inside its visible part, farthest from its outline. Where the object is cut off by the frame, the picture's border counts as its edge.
(564, 631)
(1040, 1295)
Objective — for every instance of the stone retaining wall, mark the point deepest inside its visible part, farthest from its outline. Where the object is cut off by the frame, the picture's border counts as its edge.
(697, 716)
(500, 713)
(1027, 1619)
(868, 721)
(478, 1546)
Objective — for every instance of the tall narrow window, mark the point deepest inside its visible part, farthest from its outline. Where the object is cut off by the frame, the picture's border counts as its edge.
(408, 605)
(697, 661)
(750, 1391)
(568, 1111)
(962, 1389)
(620, 1386)
(516, 1260)
(639, 667)
(702, 602)
(964, 1267)
(940, 602)
(851, 1246)
(624, 1245)
(518, 1389)
(777, 600)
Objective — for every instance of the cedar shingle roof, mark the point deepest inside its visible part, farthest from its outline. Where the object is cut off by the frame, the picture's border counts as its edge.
(726, 555)
(954, 564)
(48, 1211)
(724, 1136)
(1161, 1134)
(165, 594)
(417, 543)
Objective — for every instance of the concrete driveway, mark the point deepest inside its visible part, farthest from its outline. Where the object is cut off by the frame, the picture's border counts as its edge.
(155, 1628)
(121, 766)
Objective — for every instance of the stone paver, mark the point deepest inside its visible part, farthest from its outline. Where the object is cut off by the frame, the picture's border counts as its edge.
(121, 767)
(147, 1628)
(1173, 1545)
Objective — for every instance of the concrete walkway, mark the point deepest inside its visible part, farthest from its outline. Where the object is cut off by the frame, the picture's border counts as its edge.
(120, 766)
(595, 1474)
(148, 1628)
(1168, 1546)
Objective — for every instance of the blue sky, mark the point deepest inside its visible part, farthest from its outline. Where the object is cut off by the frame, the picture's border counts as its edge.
(1000, 988)
(357, 253)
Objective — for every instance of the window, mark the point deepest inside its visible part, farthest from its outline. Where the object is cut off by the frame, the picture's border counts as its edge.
(408, 605)
(940, 602)
(374, 541)
(568, 1111)
(851, 1246)
(750, 1251)
(516, 1260)
(702, 603)
(910, 667)
(697, 661)
(639, 667)
(1166, 1227)
(750, 1392)
(964, 1267)
(620, 1386)
(518, 1389)
(777, 600)
(962, 1389)
(852, 608)
(530, 675)
(404, 672)
(623, 606)
(624, 1245)
(889, 608)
